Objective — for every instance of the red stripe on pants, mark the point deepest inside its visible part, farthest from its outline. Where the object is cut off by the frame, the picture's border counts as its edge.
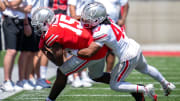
(77, 68)
(120, 76)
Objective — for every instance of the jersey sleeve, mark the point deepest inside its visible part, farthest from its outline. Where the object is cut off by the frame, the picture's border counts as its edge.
(100, 35)
(51, 37)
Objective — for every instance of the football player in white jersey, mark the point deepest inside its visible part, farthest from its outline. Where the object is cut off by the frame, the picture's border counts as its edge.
(117, 10)
(128, 51)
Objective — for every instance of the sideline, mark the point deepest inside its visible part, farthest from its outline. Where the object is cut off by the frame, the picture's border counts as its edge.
(161, 50)
(51, 72)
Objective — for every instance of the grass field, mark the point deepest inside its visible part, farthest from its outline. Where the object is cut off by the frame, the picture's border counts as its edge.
(2, 53)
(168, 66)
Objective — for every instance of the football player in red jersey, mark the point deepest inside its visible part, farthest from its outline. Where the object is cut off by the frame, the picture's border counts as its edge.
(65, 33)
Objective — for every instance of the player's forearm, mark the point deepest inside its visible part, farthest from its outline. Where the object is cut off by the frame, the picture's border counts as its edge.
(85, 53)
(90, 51)
(51, 57)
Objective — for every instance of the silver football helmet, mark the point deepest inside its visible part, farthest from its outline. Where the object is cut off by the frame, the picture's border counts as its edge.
(42, 18)
(93, 14)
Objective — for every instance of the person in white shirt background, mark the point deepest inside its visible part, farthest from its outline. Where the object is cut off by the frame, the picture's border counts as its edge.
(36, 75)
(22, 40)
(13, 19)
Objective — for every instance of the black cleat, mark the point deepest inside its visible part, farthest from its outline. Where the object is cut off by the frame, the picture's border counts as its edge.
(138, 96)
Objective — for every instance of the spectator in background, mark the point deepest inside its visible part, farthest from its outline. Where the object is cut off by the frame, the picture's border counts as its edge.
(26, 55)
(58, 6)
(75, 8)
(114, 10)
(14, 20)
(29, 52)
(40, 82)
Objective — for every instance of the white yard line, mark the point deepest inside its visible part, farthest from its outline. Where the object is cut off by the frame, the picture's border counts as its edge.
(177, 89)
(86, 95)
(99, 95)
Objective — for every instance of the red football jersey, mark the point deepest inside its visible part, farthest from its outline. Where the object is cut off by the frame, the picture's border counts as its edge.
(70, 34)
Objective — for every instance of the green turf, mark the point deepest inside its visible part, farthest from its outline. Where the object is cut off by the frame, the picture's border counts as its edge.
(168, 66)
(2, 54)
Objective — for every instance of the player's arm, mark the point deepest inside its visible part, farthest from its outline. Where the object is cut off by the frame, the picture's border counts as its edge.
(90, 51)
(55, 53)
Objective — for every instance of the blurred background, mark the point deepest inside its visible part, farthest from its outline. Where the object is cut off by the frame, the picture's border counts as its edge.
(154, 21)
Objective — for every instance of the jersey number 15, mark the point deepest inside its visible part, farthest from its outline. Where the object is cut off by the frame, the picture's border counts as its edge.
(66, 23)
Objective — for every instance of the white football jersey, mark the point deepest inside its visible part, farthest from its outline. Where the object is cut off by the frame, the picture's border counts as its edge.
(113, 7)
(115, 38)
